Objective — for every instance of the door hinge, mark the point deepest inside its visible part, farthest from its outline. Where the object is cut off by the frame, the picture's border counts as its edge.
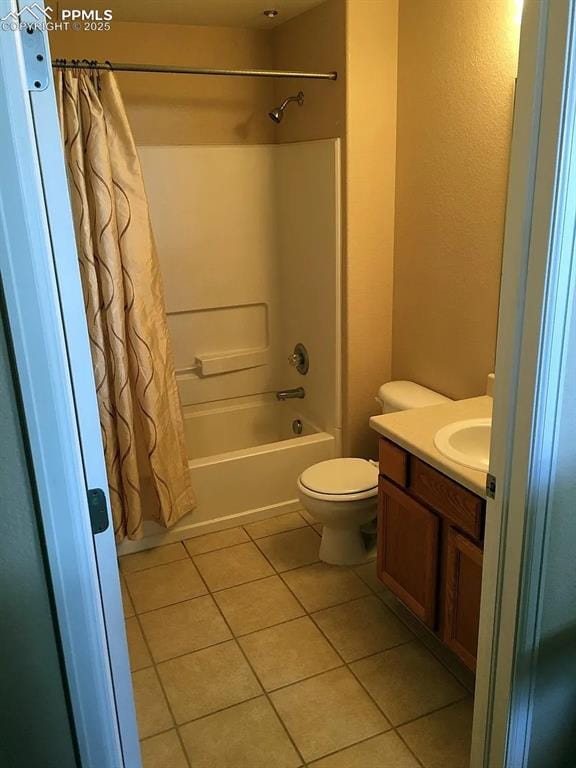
(98, 510)
(490, 486)
(35, 57)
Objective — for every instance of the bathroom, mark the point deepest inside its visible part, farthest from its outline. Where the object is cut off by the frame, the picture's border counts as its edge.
(313, 261)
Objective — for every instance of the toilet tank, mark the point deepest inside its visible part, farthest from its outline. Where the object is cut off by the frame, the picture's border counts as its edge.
(404, 395)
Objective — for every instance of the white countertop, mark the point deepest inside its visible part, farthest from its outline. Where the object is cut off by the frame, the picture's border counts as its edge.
(414, 430)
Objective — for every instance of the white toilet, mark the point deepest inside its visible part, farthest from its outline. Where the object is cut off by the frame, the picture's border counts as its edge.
(342, 493)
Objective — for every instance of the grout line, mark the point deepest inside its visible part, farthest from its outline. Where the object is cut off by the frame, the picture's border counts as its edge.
(305, 524)
(162, 687)
(168, 605)
(377, 653)
(409, 748)
(309, 614)
(161, 684)
(160, 733)
(220, 549)
(148, 567)
(354, 744)
(189, 653)
(432, 712)
(260, 695)
(308, 677)
(348, 665)
(431, 643)
(251, 540)
(266, 694)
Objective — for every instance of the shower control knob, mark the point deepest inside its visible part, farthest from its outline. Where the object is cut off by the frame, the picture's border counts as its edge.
(295, 360)
(299, 359)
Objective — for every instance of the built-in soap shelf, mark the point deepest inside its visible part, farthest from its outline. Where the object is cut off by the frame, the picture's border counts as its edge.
(214, 364)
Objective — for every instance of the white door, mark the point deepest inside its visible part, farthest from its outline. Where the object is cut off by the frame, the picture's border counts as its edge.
(526, 674)
(41, 283)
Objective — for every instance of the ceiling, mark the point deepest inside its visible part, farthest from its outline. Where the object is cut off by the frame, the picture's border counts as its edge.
(222, 13)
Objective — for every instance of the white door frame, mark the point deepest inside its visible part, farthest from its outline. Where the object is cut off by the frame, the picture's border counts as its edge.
(534, 307)
(41, 282)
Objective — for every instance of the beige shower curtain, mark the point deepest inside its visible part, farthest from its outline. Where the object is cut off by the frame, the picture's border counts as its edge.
(138, 400)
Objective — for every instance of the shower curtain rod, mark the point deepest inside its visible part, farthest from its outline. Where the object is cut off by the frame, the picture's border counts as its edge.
(85, 64)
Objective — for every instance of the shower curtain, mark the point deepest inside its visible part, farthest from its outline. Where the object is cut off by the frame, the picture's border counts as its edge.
(138, 401)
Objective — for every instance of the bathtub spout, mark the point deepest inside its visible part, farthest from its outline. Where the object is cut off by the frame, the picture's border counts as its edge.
(290, 394)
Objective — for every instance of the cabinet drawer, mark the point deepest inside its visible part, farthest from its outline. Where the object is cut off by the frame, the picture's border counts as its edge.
(408, 548)
(461, 507)
(393, 462)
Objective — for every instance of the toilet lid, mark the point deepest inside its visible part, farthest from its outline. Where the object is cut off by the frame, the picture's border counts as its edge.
(340, 476)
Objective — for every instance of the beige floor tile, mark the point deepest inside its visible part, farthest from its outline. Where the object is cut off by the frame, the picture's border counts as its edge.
(126, 600)
(163, 751)
(289, 652)
(184, 627)
(273, 525)
(367, 572)
(327, 713)
(408, 682)
(464, 675)
(362, 627)
(233, 566)
(218, 540)
(139, 656)
(442, 739)
(164, 585)
(321, 585)
(384, 751)
(208, 680)
(149, 558)
(307, 516)
(151, 709)
(291, 549)
(248, 735)
(257, 605)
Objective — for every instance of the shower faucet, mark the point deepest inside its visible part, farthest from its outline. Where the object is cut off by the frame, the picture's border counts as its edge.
(291, 394)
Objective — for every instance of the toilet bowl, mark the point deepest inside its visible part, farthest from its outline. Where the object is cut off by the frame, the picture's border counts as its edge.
(342, 494)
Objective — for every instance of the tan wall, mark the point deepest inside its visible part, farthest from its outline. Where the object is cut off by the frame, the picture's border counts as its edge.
(371, 144)
(456, 70)
(186, 109)
(313, 41)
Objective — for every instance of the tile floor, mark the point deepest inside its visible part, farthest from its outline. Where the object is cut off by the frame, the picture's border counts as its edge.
(247, 652)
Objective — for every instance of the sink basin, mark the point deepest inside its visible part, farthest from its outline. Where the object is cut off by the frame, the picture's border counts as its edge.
(466, 442)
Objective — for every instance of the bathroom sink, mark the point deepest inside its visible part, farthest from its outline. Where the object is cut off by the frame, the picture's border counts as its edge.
(466, 442)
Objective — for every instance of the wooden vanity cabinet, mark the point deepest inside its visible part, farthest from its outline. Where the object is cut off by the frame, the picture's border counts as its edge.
(430, 532)
(462, 587)
(408, 546)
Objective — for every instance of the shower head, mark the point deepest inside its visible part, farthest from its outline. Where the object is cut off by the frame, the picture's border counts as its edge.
(278, 113)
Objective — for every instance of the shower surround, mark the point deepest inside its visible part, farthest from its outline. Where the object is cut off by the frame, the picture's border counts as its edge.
(248, 239)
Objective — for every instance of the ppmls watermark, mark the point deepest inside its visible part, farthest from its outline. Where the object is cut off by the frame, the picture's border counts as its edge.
(39, 17)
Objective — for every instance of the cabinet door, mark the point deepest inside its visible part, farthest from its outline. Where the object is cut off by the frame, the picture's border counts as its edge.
(408, 546)
(463, 585)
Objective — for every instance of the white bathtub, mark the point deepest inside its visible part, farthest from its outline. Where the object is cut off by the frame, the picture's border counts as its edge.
(244, 463)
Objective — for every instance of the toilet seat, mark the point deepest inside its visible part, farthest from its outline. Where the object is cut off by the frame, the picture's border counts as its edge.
(340, 480)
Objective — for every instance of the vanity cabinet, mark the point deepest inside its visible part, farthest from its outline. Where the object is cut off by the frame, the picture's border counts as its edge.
(408, 547)
(430, 532)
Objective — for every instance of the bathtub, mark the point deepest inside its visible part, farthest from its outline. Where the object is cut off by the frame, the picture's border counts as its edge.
(244, 460)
